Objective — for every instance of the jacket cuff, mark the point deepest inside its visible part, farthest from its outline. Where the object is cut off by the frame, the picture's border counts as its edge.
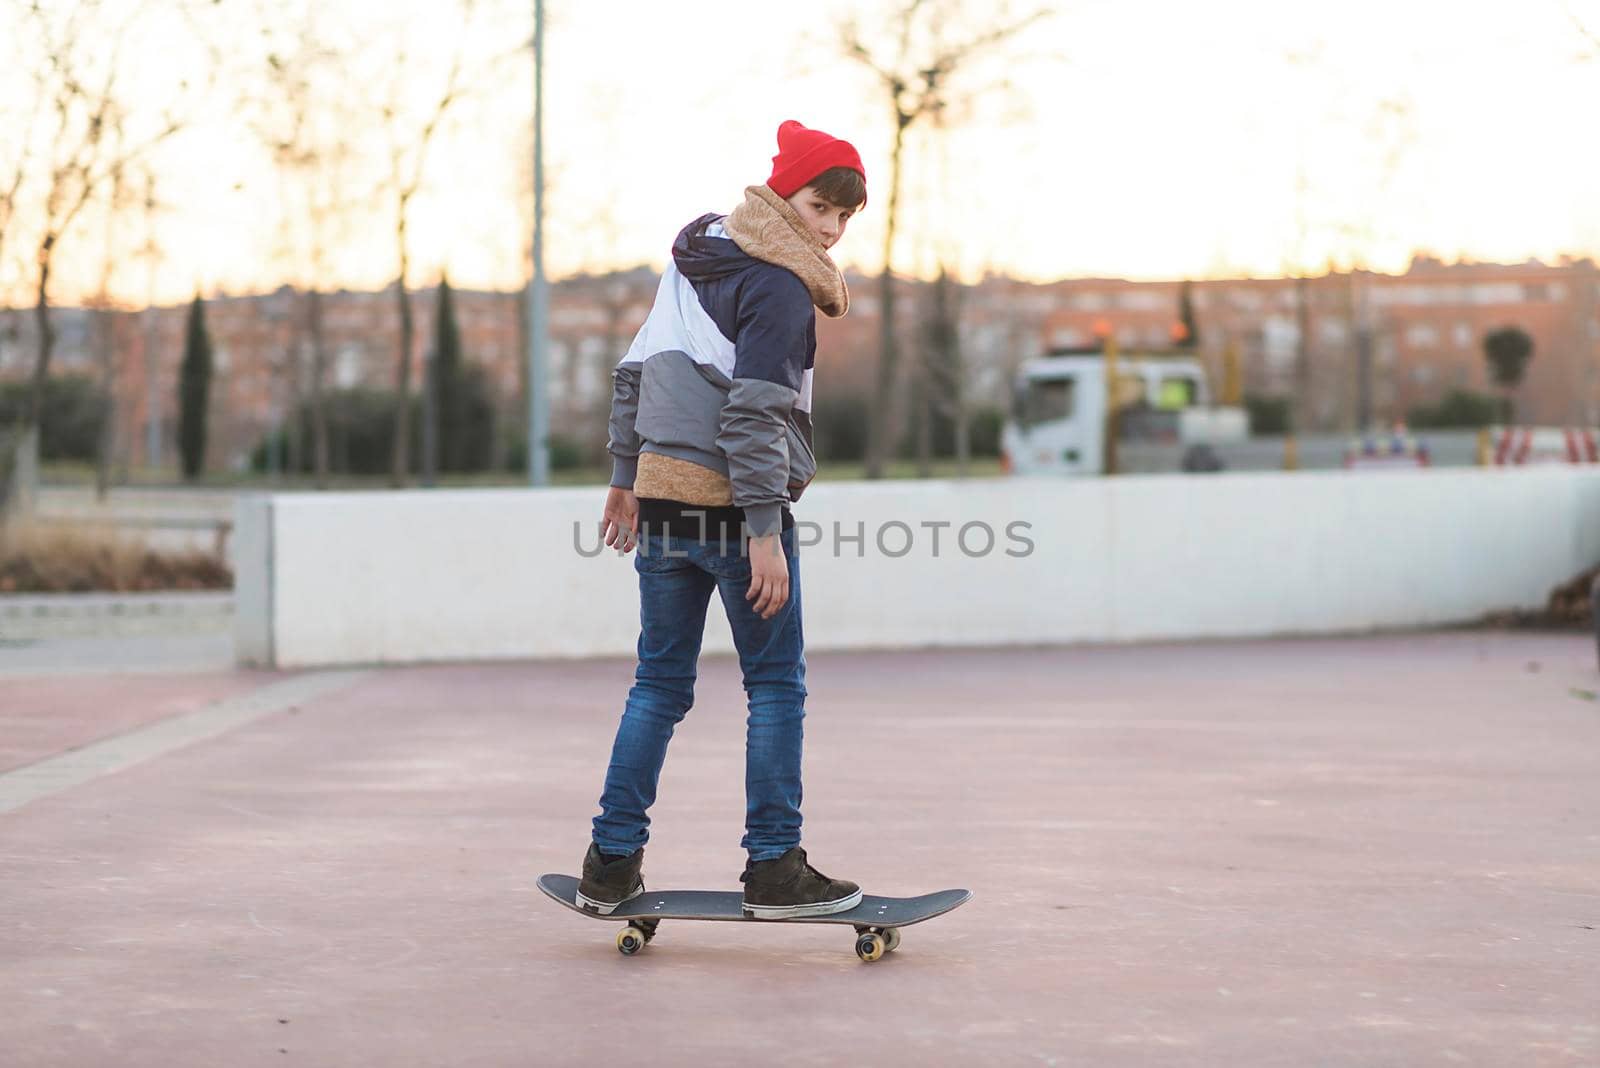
(624, 471)
(763, 519)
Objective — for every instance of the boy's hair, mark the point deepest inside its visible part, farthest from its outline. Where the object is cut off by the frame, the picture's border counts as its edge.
(841, 187)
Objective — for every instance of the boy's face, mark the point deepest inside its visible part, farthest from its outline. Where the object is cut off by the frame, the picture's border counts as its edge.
(827, 220)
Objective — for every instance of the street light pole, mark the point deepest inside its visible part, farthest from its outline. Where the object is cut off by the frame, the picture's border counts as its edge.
(1113, 395)
(538, 295)
(152, 389)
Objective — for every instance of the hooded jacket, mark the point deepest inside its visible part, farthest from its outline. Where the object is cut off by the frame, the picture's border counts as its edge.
(720, 375)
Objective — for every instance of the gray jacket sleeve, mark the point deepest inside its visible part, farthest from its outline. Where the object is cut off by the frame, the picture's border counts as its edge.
(752, 436)
(770, 348)
(624, 437)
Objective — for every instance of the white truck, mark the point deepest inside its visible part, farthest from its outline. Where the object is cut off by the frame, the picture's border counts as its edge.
(1059, 405)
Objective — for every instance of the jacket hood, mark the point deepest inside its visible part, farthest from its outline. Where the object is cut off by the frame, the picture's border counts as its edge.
(702, 258)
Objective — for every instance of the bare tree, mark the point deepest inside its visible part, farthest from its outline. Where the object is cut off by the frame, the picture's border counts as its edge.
(86, 146)
(1307, 58)
(408, 157)
(302, 115)
(920, 75)
(1583, 400)
(21, 118)
(119, 196)
(944, 373)
(150, 252)
(1391, 129)
(614, 287)
(1335, 93)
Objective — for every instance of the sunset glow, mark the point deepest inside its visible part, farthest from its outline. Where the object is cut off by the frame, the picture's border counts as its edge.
(1139, 140)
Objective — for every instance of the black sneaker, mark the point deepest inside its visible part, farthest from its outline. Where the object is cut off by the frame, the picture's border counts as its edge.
(788, 887)
(606, 886)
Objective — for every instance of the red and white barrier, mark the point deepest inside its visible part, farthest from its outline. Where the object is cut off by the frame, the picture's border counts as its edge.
(1517, 446)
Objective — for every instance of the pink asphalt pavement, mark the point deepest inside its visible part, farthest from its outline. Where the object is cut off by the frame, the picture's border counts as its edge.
(43, 716)
(1365, 851)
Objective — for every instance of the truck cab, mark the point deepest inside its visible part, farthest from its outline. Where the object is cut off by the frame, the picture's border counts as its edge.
(1059, 406)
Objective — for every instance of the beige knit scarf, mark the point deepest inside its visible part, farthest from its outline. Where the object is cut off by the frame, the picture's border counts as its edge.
(767, 227)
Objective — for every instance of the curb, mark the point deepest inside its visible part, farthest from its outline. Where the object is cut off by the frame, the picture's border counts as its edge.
(110, 615)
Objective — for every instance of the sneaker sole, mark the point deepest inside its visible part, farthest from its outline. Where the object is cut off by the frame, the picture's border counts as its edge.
(794, 912)
(605, 908)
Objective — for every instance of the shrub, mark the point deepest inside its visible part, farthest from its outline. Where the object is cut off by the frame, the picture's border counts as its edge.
(1269, 415)
(55, 558)
(839, 427)
(360, 433)
(69, 426)
(1458, 408)
(566, 453)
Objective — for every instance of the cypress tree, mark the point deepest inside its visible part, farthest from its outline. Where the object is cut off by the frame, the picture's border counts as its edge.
(1508, 351)
(194, 391)
(450, 396)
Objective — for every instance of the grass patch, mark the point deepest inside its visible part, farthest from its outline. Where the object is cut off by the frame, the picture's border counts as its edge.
(62, 474)
(59, 557)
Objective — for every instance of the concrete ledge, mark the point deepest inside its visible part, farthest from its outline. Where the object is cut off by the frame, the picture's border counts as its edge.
(346, 578)
(72, 615)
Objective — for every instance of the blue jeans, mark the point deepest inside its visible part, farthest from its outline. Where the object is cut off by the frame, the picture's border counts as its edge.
(676, 577)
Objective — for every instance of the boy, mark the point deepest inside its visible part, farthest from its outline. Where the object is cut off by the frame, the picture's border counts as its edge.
(710, 436)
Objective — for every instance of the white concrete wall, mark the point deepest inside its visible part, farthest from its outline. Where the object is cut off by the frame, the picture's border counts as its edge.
(485, 574)
(253, 617)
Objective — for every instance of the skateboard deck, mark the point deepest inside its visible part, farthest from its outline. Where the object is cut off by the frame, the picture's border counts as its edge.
(877, 920)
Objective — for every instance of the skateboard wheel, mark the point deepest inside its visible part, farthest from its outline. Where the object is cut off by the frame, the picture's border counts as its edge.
(630, 940)
(869, 947)
(649, 929)
(891, 940)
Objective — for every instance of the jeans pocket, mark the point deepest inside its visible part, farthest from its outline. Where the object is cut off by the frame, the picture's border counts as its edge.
(734, 564)
(656, 555)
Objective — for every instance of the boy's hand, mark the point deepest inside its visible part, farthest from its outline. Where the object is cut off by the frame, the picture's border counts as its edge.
(620, 522)
(769, 576)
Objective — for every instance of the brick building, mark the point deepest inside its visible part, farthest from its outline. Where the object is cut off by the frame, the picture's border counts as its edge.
(1426, 328)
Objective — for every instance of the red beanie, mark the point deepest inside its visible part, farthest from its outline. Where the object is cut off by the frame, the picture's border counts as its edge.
(803, 154)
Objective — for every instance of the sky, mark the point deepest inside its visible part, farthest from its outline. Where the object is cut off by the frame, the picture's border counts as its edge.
(1138, 138)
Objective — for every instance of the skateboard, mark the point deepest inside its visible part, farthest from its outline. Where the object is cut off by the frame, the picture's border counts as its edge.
(877, 920)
